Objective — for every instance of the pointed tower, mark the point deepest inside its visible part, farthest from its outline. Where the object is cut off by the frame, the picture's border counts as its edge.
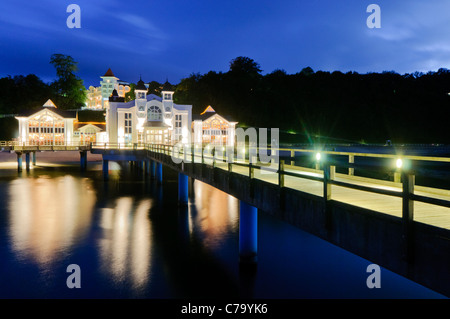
(108, 84)
(167, 101)
(140, 92)
(167, 91)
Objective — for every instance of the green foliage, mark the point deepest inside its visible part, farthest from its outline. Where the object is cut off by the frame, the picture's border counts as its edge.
(154, 87)
(69, 89)
(327, 107)
(21, 93)
(129, 96)
(9, 128)
(91, 116)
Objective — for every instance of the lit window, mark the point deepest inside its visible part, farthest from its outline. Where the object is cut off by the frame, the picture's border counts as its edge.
(154, 113)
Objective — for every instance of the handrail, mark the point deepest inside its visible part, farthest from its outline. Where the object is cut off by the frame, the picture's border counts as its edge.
(191, 152)
(406, 193)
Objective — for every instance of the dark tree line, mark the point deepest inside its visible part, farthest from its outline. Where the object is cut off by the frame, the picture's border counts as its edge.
(23, 93)
(327, 106)
(307, 106)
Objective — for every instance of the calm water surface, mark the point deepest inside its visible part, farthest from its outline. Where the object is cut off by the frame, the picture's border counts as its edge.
(131, 240)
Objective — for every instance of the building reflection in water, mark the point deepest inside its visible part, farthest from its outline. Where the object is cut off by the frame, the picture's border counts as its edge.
(217, 213)
(48, 216)
(125, 246)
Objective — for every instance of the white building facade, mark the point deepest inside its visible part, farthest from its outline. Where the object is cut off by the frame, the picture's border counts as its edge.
(148, 118)
(212, 128)
(48, 126)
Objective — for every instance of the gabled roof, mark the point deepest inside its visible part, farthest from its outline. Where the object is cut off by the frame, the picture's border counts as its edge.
(109, 73)
(61, 113)
(205, 116)
(98, 126)
(49, 103)
(208, 109)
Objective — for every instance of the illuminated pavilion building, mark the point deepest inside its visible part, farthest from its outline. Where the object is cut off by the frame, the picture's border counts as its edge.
(212, 128)
(147, 119)
(52, 126)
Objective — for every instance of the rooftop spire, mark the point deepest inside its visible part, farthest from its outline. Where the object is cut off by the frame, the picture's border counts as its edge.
(109, 73)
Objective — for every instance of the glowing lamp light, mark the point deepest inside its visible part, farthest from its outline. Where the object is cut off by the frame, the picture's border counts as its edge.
(318, 156)
(399, 163)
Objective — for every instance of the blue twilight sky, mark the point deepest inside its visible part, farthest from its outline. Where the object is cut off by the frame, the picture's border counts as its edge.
(172, 39)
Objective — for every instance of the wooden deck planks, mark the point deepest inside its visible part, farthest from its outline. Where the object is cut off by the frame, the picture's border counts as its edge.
(425, 213)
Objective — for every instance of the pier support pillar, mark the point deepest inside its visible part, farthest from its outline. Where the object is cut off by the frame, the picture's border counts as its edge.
(19, 161)
(34, 158)
(248, 233)
(183, 189)
(105, 169)
(27, 160)
(152, 169)
(147, 167)
(159, 172)
(83, 160)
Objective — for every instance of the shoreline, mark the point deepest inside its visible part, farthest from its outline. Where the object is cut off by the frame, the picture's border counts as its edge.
(55, 157)
(49, 159)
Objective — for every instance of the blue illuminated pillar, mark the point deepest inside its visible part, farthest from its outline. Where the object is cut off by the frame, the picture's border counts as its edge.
(159, 172)
(105, 169)
(248, 233)
(152, 169)
(83, 160)
(147, 167)
(19, 161)
(27, 160)
(183, 187)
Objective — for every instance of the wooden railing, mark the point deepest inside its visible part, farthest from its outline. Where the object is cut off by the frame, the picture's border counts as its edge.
(404, 177)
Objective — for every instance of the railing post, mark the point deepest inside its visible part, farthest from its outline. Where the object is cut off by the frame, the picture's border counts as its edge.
(326, 182)
(327, 196)
(230, 155)
(251, 170)
(397, 177)
(408, 181)
(281, 173)
(203, 150)
(292, 157)
(351, 160)
(332, 172)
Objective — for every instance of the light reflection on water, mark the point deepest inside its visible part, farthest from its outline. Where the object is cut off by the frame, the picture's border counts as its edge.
(125, 247)
(216, 214)
(47, 216)
(131, 239)
(54, 219)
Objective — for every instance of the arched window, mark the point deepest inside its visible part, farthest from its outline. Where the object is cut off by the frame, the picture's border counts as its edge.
(154, 113)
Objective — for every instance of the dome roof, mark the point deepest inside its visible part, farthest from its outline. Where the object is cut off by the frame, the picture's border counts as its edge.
(167, 87)
(141, 85)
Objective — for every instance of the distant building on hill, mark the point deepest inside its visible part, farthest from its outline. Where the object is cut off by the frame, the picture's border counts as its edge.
(97, 98)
